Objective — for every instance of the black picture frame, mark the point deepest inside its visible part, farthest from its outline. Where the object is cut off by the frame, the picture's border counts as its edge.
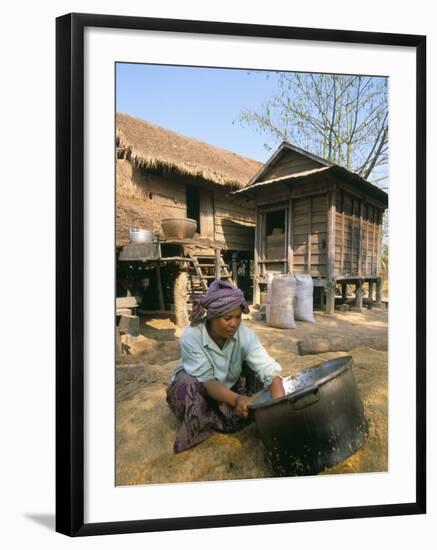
(70, 273)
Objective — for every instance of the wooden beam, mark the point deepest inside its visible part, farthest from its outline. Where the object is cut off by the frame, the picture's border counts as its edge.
(290, 246)
(361, 195)
(352, 236)
(286, 219)
(331, 234)
(342, 233)
(256, 292)
(360, 242)
(379, 243)
(272, 261)
(309, 236)
(304, 190)
(263, 241)
(126, 302)
(234, 268)
(374, 243)
(367, 270)
(276, 205)
(217, 265)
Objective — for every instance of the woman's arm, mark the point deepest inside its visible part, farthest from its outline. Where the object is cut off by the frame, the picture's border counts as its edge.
(277, 388)
(257, 358)
(218, 391)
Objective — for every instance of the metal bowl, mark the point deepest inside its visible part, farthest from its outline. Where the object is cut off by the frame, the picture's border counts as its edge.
(137, 235)
(179, 228)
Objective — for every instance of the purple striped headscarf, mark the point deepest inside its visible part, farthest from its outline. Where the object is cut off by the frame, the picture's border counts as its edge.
(222, 296)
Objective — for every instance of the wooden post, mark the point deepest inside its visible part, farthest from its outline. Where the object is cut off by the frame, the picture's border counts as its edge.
(217, 264)
(361, 237)
(180, 295)
(331, 234)
(359, 293)
(234, 268)
(352, 236)
(379, 243)
(322, 297)
(330, 296)
(371, 291)
(262, 243)
(342, 233)
(309, 253)
(379, 290)
(310, 230)
(366, 268)
(256, 293)
(331, 278)
(373, 243)
(160, 293)
(285, 250)
(290, 237)
(344, 291)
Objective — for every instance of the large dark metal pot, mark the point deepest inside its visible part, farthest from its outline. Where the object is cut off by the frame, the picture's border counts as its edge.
(318, 425)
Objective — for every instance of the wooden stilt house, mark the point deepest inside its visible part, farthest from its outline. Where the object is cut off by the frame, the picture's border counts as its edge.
(160, 175)
(313, 216)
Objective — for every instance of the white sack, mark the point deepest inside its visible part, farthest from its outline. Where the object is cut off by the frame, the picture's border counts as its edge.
(303, 308)
(281, 313)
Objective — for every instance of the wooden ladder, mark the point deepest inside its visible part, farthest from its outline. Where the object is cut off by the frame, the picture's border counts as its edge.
(204, 270)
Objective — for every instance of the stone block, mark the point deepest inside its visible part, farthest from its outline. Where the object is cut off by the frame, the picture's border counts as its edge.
(313, 345)
(129, 324)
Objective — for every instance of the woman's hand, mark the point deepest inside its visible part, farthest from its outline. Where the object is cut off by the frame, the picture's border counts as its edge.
(277, 388)
(222, 394)
(241, 405)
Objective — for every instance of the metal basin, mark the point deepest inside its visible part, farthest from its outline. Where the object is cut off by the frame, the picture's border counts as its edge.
(137, 235)
(318, 425)
(179, 228)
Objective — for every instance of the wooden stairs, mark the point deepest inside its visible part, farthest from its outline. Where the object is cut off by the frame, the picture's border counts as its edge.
(203, 269)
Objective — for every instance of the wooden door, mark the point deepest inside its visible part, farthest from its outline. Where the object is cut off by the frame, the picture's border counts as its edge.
(206, 208)
(309, 235)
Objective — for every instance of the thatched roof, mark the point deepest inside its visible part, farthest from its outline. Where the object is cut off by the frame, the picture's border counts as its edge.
(151, 146)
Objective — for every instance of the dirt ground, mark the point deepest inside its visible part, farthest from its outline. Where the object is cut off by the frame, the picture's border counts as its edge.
(145, 427)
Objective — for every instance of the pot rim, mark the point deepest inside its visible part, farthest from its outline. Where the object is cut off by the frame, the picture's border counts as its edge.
(347, 364)
(179, 219)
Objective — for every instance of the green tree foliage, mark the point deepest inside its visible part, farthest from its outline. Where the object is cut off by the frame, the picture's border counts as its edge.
(341, 118)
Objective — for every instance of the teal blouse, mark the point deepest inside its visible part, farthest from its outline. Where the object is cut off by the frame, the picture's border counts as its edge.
(202, 358)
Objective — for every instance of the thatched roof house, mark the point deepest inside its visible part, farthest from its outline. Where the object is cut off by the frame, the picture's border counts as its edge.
(156, 148)
(162, 174)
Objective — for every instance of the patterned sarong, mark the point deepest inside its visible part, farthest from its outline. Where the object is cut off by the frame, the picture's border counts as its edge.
(201, 416)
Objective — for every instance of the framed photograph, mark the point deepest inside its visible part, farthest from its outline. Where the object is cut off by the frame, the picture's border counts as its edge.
(240, 274)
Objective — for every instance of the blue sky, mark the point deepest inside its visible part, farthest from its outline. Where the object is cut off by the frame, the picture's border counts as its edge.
(198, 102)
(205, 104)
